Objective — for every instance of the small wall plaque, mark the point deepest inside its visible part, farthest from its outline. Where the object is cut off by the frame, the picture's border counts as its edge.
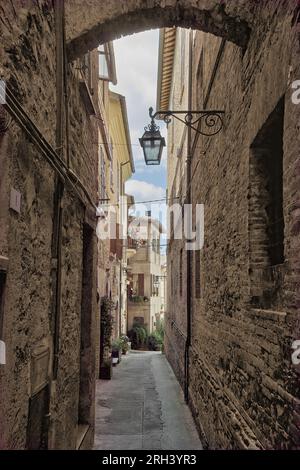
(2, 353)
(15, 200)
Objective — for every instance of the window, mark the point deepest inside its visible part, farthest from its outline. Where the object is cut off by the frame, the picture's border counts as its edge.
(103, 67)
(197, 275)
(155, 285)
(267, 187)
(266, 218)
(106, 63)
(141, 285)
(180, 272)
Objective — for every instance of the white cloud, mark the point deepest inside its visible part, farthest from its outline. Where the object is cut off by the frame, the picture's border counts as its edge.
(143, 191)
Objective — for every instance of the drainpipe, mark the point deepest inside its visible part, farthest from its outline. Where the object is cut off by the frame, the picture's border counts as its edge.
(59, 186)
(188, 253)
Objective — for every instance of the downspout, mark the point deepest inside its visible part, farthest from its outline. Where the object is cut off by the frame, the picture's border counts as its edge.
(59, 186)
(188, 253)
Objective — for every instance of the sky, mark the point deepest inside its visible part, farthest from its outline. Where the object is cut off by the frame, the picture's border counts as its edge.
(136, 63)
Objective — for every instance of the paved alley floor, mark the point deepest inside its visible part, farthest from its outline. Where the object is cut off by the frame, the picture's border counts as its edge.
(142, 407)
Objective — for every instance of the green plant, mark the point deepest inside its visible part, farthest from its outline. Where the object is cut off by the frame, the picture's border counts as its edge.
(155, 341)
(106, 322)
(116, 345)
(160, 328)
(124, 343)
(138, 336)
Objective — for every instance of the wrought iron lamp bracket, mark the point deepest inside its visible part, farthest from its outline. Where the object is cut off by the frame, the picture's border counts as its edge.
(207, 123)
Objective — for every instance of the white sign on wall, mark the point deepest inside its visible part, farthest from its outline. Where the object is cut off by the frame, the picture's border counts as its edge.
(2, 353)
(15, 200)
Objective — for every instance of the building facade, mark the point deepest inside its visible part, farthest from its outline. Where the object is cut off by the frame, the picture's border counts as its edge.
(145, 276)
(48, 244)
(115, 167)
(229, 333)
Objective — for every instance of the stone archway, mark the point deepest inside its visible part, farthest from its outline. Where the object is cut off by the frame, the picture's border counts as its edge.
(101, 21)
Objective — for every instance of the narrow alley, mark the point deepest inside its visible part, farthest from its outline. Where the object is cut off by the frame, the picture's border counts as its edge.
(149, 226)
(143, 407)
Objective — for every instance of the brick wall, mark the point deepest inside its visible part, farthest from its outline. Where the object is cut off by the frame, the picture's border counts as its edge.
(29, 65)
(244, 390)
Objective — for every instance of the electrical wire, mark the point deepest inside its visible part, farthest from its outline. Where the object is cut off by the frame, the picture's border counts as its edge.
(17, 111)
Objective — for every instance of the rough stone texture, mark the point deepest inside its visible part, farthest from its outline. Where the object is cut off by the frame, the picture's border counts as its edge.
(28, 64)
(244, 390)
(102, 21)
(225, 394)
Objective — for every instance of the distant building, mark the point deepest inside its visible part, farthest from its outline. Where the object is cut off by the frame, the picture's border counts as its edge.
(145, 288)
(115, 167)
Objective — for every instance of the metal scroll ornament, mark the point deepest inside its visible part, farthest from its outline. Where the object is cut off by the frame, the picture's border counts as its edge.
(207, 123)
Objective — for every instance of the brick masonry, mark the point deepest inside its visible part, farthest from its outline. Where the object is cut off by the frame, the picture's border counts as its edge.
(244, 389)
(241, 375)
(29, 65)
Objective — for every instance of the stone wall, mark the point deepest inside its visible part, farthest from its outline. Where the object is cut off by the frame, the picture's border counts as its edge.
(30, 65)
(244, 389)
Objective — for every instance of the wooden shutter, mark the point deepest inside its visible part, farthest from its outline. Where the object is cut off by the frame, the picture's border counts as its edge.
(141, 285)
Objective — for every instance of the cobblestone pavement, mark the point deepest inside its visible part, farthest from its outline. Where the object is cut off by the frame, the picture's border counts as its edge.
(142, 407)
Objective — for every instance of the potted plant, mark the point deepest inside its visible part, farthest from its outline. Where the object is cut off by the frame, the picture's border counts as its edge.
(124, 343)
(106, 331)
(116, 351)
(138, 336)
(155, 341)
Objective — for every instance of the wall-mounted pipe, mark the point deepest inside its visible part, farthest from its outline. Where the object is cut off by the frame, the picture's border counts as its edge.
(189, 291)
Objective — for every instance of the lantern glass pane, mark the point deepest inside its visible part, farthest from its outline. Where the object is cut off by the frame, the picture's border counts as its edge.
(152, 148)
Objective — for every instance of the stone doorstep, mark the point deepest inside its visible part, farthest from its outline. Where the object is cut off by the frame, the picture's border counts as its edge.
(82, 431)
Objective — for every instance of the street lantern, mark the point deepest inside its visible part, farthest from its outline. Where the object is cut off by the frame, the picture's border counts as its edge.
(152, 143)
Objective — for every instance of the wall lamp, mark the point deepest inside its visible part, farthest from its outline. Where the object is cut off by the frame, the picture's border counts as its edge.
(207, 123)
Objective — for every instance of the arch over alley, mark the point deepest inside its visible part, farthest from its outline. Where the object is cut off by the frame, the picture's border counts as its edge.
(102, 21)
